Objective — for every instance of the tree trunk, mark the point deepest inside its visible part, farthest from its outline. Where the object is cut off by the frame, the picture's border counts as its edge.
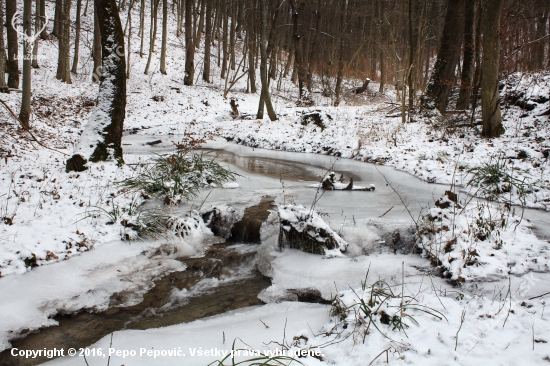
(129, 20)
(101, 139)
(85, 9)
(198, 35)
(164, 36)
(207, 41)
(189, 46)
(97, 48)
(341, 62)
(25, 112)
(76, 36)
(542, 18)
(232, 62)
(250, 36)
(490, 101)
(264, 97)
(303, 95)
(225, 39)
(152, 33)
(415, 9)
(37, 25)
(443, 75)
(141, 27)
(13, 46)
(468, 59)
(3, 86)
(64, 59)
(56, 31)
(314, 46)
(44, 34)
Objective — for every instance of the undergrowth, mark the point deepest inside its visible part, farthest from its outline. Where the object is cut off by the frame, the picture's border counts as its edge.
(178, 176)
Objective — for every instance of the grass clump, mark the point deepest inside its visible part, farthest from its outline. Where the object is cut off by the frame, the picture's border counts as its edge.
(376, 306)
(494, 178)
(178, 176)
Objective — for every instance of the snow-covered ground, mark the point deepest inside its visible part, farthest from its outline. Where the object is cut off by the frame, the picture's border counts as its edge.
(56, 256)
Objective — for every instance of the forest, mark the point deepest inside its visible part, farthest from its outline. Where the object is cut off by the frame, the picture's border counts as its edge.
(274, 182)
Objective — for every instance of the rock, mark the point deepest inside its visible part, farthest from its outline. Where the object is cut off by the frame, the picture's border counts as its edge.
(303, 229)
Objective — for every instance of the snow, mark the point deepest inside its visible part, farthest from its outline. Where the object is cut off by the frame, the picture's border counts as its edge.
(80, 261)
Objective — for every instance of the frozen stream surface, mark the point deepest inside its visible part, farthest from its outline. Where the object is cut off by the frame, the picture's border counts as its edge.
(231, 279)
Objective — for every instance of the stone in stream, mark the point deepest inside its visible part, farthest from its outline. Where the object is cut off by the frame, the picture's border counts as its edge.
(330, 183)
(304, 229)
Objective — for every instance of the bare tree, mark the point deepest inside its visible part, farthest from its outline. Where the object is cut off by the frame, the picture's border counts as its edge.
(76, 36)
(3, 86)
(443, 76)
(164, 36)
(64, 37)
(265, 99)
(152, 33)
(96, 51)
(189, 44)
(207, 41)
(490, 101)
(468, 59)
(13, 46)
(44, 34)
(37, 25)
(25, 112)
(101, 138)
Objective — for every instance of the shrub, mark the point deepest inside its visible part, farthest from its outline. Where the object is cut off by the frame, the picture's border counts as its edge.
(178, 176)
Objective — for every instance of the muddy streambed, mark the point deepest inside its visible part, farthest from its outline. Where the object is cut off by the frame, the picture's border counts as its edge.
(224, 279)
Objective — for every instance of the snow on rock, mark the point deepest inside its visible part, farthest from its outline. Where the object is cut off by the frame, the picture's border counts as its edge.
(230, 185)
(330, 183)
(304, 229)
(221, 218)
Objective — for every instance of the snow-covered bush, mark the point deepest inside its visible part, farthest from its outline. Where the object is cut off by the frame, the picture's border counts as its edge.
(479, 241)
(378, 306)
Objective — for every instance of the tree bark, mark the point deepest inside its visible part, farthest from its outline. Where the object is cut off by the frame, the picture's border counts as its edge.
(164, 36)
(152, 33)
(56, 31)
(76, 37)
(443, 75)
(3, 86)
(251, 37)
(198, 35)
(13, 46)
(415, 9)
(189, 44)
(490, 101)
(37, 26)
(44, 34)
(25, 112)
(129, 20)
(96, 53)
(207, 41)
(265, 98)
(66, 71)
(303, 95)
(225, 40)
(468, 59)
(141, 27)
(101, 139)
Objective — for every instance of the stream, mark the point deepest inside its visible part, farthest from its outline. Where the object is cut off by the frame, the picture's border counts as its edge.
(226, 277)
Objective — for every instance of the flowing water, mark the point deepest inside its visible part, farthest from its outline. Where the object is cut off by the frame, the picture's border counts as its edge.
(226, 277)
